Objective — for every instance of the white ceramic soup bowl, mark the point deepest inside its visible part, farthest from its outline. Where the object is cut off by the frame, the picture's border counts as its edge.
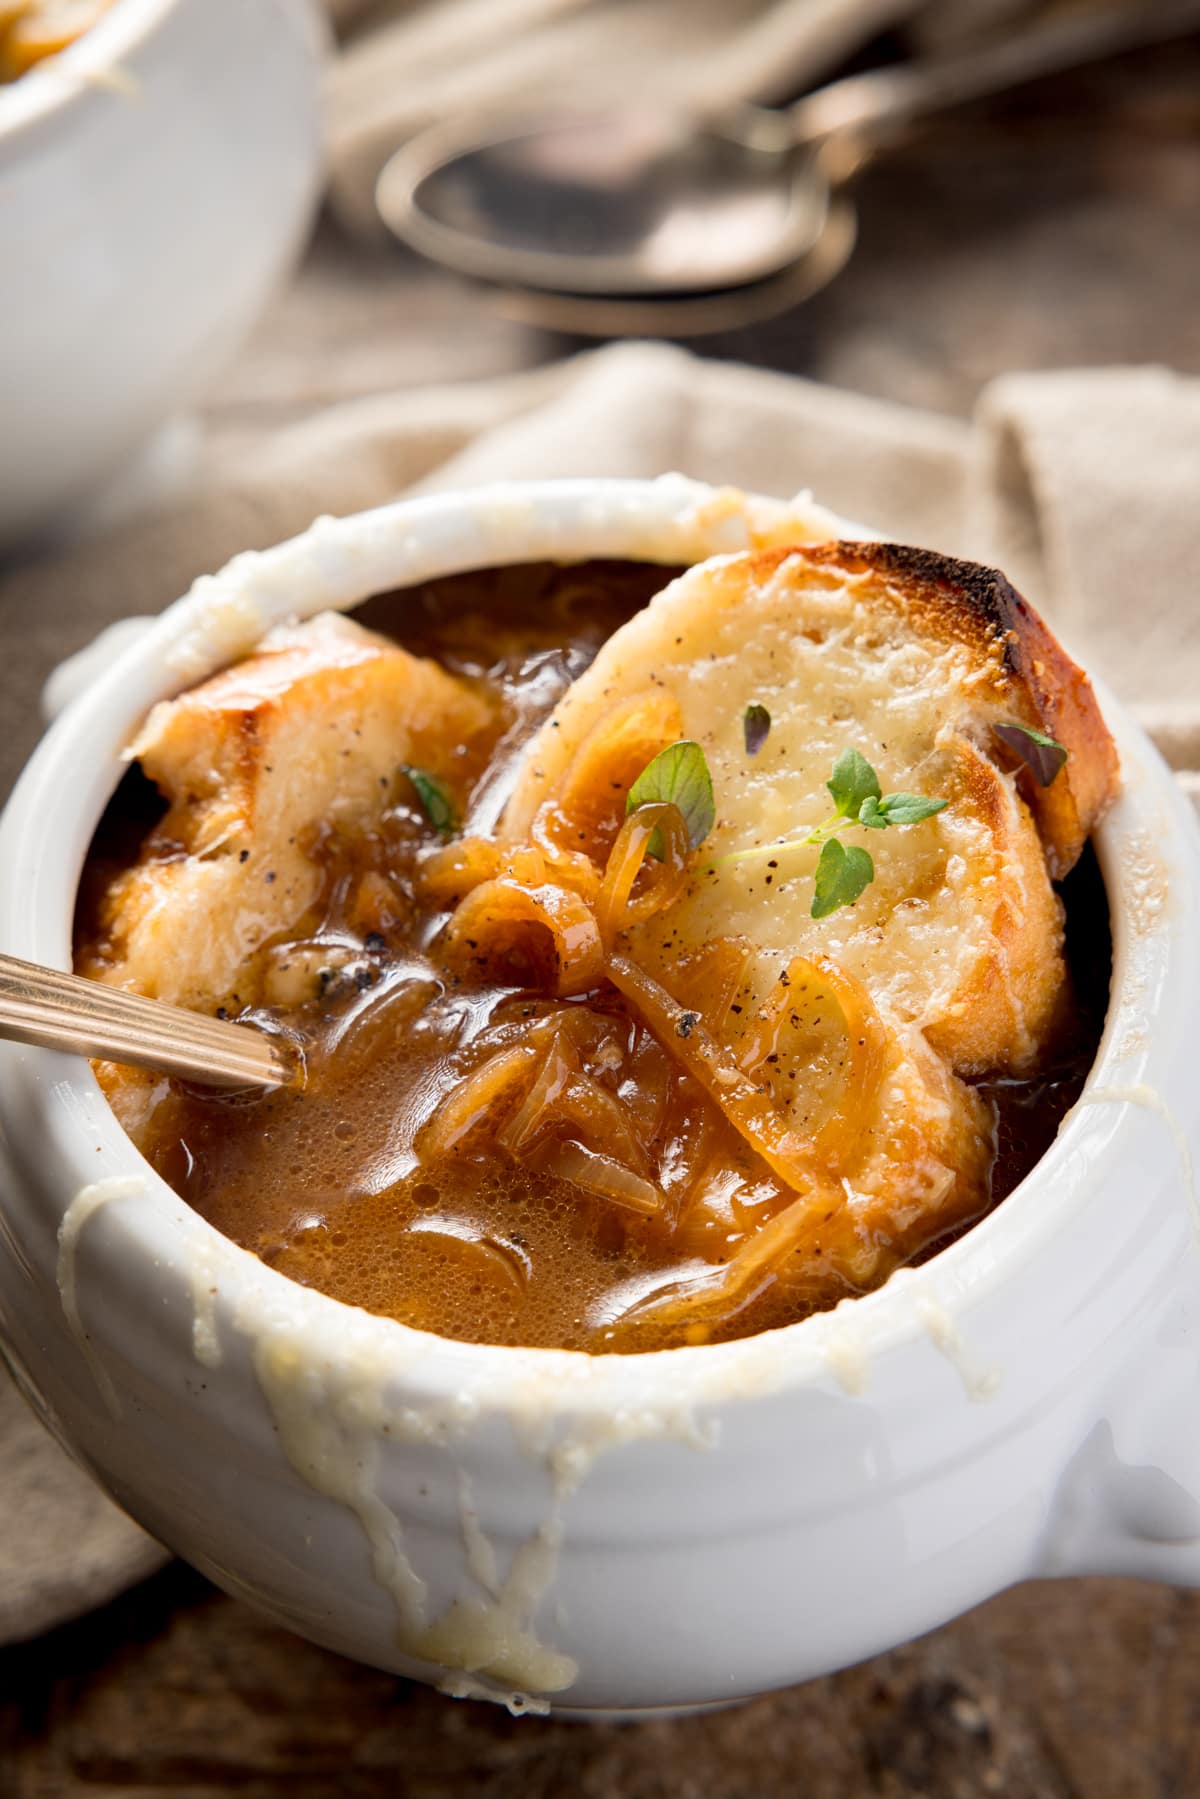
(156, 179)
(613, 1533)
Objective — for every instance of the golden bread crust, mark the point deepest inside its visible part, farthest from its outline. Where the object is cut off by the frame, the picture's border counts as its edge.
(977, 606)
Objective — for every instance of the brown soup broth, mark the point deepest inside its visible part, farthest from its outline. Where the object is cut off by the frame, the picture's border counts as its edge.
(324, 1184)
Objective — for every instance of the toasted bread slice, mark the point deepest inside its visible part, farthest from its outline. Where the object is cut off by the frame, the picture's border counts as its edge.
(910, 659)
(303, 738)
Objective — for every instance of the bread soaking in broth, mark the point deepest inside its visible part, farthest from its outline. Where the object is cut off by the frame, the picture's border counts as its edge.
(664, 972)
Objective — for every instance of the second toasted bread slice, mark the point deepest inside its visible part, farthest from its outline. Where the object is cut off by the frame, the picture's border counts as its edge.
(301, 739)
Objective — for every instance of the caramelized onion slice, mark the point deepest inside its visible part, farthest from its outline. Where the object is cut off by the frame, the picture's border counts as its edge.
(576, 828)
(708, 981)
(591, 798)
(752, 1113)
(711, 1299)
(565, 1098)
(531, 1117)
(452, 870)
(551, 832)
(840, 1135)
(600, 1039)
(617, 908)
(602, 1175)
(490, 1256)
(646, 1089)
(549, 930)
(476, 1101)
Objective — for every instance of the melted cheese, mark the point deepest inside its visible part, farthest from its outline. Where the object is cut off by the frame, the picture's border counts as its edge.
(960, 933)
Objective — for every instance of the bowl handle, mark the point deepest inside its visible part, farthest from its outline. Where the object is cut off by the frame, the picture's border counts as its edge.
(1129, 1500)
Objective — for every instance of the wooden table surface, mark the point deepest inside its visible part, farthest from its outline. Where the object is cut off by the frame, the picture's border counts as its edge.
(1055, 229)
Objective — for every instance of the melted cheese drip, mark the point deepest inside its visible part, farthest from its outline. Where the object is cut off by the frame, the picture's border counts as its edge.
(332, 1423)
(86, 1203)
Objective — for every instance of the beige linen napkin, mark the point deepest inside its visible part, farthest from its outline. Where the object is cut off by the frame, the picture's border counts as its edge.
(1083, 485)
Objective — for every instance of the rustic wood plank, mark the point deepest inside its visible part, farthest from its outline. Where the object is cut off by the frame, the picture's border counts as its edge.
(1072, 1690)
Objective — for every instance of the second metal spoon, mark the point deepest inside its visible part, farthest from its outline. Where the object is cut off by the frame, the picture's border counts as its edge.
(641, 203)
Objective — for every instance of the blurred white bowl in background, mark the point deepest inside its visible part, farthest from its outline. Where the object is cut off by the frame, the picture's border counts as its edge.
(156, 180)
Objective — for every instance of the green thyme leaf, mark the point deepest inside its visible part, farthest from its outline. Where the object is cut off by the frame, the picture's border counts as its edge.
(436, 803)
(756, 727)
(677, 776)
(1042, 755)
(908, 808)
(852, 782)
(842, 874)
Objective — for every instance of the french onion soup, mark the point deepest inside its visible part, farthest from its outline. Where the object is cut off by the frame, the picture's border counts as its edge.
(664, 969)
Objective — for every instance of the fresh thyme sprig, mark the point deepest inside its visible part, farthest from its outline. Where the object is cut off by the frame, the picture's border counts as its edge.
(436, 803)
(843, 872)
(679, 776)
(756, 727)
(1044, 756)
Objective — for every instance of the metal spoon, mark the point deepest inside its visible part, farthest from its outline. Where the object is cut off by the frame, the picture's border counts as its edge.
(641, 203)
(63, 1011)
(688, 315)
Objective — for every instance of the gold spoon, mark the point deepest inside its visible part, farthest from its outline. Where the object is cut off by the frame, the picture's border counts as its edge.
(63, 1011)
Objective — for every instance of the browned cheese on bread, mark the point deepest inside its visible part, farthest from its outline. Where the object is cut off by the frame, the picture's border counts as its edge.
(911, 659)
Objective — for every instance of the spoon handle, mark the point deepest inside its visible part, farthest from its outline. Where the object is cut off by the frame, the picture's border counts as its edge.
(861, 111)
(52, 1010)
